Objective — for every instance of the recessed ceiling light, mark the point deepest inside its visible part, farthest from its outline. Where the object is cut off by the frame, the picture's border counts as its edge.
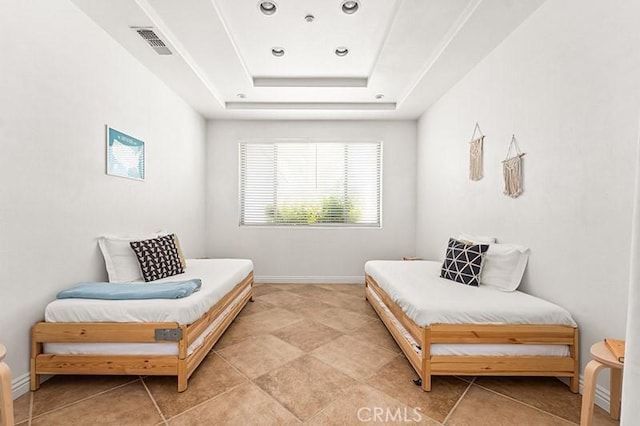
(350, 6)
(309, 18)
(267, 7)
(241, 95)
(379, 96)
(277, 51)
(342, 51)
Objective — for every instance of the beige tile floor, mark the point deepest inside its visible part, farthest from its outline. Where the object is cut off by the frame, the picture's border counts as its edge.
(303, 354)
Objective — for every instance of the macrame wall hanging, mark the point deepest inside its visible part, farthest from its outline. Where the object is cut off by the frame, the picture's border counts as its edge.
(512, 170)
(475, 154)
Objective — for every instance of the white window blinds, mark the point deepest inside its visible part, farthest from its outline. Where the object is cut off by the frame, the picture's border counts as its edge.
(310, 184)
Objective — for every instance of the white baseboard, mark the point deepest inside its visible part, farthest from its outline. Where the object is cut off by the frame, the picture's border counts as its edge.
(264, 279)
(20, 385)
(602, 400)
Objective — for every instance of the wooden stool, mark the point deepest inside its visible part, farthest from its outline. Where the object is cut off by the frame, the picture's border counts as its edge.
(602, 357)
(6, 399)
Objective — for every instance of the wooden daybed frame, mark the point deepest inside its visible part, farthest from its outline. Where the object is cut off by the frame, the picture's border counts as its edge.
(427, 365)
(180, 365)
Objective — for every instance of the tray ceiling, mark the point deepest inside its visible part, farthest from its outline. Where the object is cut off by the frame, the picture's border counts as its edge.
(402, 54)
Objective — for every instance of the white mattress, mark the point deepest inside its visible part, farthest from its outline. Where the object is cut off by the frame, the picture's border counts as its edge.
(416, 287)
(219, 276)
(498, 349)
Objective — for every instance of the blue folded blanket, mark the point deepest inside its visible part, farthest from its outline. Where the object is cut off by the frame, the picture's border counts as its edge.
(132, 291)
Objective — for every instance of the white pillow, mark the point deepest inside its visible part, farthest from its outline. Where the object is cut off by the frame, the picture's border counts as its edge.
(503, 266)
(478, 239)
(120, 260)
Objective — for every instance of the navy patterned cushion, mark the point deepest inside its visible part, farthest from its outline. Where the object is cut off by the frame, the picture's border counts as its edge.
(158, 257)
(463, 262)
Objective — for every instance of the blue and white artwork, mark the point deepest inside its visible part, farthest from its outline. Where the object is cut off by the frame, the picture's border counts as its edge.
(125, 155)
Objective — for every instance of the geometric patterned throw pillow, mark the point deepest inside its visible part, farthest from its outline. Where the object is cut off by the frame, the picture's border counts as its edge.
(158, 257)
(463, 262)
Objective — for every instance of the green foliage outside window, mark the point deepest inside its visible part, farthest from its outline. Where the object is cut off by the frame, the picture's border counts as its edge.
(331, 210)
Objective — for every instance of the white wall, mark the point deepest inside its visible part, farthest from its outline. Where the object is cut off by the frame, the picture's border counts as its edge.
(309, 255)
(61, 80)
(566, 83)
(631, 382)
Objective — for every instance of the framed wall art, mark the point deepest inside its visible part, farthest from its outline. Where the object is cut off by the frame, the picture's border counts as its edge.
(125, 155)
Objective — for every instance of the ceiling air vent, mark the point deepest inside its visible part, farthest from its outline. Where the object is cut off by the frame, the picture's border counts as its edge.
(153, 40)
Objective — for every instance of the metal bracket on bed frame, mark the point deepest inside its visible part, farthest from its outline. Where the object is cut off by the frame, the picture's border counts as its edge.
(171, 334)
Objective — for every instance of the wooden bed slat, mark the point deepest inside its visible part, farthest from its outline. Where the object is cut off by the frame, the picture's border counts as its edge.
(92, 332)
(500, 365)
(106, 364)
(201, 352)
(574, 349)
(406, 322)
(426, 360)
(205, 321)
(413, 357)
(503, 333)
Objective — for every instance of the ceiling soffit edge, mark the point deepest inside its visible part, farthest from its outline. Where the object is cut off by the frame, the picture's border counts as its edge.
(179, 48)
(456, 27)
(333, 106)
(310, 81)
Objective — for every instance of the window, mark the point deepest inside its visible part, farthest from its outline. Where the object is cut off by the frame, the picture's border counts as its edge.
(310, 184)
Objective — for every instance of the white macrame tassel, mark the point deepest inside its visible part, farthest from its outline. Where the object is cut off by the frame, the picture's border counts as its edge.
(512, 172)
(475, 159)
